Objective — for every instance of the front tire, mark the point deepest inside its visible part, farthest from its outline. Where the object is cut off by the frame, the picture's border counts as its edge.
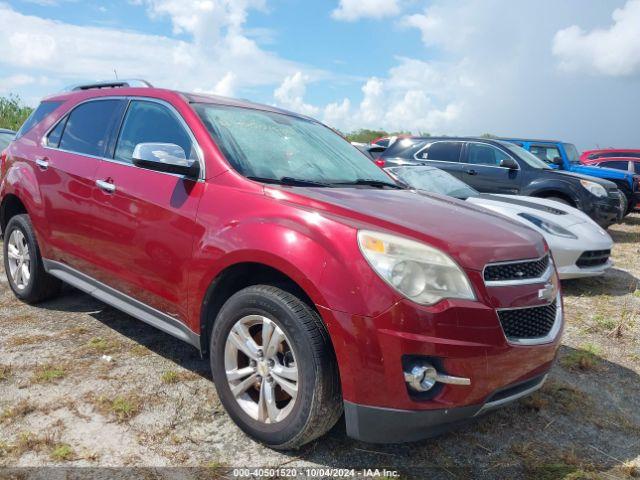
(23, 263)
(274, 368)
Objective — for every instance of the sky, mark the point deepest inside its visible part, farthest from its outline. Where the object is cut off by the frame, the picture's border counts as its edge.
(566, 69)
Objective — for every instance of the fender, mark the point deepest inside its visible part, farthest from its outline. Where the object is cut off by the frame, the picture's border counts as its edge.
(20, 180)
(289, 239)
(540, 186)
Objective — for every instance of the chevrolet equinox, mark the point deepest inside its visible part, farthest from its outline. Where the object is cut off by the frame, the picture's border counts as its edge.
(314, 283)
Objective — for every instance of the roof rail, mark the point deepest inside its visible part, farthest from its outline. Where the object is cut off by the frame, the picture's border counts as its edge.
(110, 84)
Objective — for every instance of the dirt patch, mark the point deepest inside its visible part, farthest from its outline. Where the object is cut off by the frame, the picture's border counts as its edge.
(82, 384)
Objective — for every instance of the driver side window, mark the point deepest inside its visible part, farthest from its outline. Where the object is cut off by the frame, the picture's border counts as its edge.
(482, 154)
(150, 122)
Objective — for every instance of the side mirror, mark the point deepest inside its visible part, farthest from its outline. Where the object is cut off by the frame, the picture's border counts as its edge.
(509, 163)
(165, 157)
(557, 161)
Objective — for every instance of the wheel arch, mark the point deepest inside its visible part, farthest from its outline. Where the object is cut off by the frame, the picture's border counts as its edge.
(11, 206)
(234, 278)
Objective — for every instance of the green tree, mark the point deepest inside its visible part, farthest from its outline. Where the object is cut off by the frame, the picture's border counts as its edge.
(365, 135)
(13, 112)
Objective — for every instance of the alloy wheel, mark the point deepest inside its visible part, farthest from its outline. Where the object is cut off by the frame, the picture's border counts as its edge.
(19, 259)
(261, 369)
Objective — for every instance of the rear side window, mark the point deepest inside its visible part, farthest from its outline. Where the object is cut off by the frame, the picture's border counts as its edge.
(150, 122)
(482, 154)
(442, 151)
(39, 114)
(618, 165)
(53, 139)
(90, 125)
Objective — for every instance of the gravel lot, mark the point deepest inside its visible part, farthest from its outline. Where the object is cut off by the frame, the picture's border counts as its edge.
(82, 384)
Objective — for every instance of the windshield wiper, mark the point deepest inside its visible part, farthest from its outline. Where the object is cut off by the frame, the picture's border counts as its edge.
(373, 183)
(295, 182)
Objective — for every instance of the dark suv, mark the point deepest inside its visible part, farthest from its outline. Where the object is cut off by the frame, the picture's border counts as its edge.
(494, 166)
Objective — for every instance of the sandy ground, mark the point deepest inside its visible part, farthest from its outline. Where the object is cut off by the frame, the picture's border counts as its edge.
(83, 385)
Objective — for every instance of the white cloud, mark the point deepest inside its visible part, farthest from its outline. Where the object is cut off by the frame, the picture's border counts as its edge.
(613, 51)
(216, 56)
(290, 94)
(352, 10)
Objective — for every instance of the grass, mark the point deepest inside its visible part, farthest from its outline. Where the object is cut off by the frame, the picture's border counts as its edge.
(102, 346)
(170, 377)
(27, 340)
(62, 452)
(21, 409)
(48, 374)
(585, 358)
(5, 372)
(123, 407)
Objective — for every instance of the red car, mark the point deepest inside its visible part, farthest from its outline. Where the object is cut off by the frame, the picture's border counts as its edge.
(312, 280)
(590, 157)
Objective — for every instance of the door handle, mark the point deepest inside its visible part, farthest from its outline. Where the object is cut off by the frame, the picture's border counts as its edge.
(106, 186)
(42, 163)
(471, 171)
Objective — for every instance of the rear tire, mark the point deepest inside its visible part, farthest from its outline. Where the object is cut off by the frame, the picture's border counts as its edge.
(23, 263)
(255, 379)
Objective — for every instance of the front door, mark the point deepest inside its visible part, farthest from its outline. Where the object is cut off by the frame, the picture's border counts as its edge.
(148, 218)
(481, 169)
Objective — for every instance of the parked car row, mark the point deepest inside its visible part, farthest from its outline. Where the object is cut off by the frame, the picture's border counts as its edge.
(316, 282)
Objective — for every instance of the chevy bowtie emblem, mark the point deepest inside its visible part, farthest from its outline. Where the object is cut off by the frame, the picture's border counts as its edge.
(547, 293)
(519, 274)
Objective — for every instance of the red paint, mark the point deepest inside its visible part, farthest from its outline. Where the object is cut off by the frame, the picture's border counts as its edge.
(584, 157)
(164, 240)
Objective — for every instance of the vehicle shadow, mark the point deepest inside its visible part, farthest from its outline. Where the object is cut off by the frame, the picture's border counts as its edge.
(614, 282)
(547, 435)
(178, 352)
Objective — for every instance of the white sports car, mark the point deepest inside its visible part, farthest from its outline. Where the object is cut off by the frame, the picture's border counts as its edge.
(580, 247)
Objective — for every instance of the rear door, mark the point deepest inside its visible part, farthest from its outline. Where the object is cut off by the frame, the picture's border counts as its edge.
(148, 218)
(71, 153)
(480, 168)
(444, 155)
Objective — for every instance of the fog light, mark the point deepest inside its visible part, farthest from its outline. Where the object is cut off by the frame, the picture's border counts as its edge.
(424, 376)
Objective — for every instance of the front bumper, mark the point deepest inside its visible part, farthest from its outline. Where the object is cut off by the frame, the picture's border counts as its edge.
(386, 425)
(605, 212)
(567, 252)
(462, 338)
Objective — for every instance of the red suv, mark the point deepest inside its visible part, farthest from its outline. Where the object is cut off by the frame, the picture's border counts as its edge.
(315, 283)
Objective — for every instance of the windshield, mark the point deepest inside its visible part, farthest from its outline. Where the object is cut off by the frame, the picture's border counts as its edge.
(527, 156)
(273, 146)
(572, 152)
(433, 180)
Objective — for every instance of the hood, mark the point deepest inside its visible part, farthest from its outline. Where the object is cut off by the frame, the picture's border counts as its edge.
(581, 176)
(600, 171)
(472, 236)
(512, 205)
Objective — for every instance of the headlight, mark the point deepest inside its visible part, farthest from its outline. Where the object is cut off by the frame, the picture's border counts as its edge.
(419, 272)
(547, 226)
(594, 188)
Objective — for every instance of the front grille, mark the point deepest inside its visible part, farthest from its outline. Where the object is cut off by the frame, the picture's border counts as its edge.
(593, 258)
(516, 270)
(528, 323)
